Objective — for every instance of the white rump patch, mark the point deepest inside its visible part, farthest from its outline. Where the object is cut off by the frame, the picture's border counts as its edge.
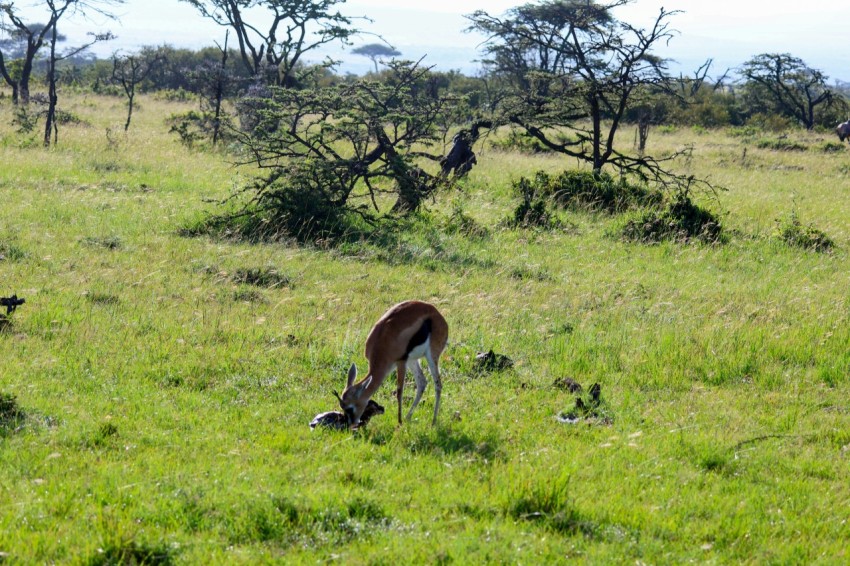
(421, 350)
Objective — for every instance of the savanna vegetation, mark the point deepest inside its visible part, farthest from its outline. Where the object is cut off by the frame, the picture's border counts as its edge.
(203, 248)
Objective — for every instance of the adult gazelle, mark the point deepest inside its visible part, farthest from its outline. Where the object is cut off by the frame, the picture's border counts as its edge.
(406, 333)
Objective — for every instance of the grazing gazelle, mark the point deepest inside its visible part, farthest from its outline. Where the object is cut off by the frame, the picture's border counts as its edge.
(407, 332)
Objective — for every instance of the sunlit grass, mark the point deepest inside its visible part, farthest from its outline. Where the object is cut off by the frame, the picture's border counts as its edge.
(163, 384)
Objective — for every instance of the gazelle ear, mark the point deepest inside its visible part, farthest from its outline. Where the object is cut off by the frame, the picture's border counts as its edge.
(352, 374)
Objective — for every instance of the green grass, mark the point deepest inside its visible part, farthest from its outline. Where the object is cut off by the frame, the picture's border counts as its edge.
(159, 387)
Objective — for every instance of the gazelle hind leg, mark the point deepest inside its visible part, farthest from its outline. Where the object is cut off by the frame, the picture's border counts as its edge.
(434, 368)
(421, 384)
(400, 389)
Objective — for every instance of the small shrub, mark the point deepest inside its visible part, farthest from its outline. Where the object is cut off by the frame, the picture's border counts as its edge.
(174, 95)
(108, 242)
(794, 233)
(11, 252)
(586, 190)
(10, 412)
(195, 126)
(459, 222)
(743, 131)
(299, 209)
(103, 434)
(66, 118)
(246, 295)
(25, 119)
(532, 211)
(680, 220)
(780, 144)
(267, 277)
(831, 147)
(102, 298)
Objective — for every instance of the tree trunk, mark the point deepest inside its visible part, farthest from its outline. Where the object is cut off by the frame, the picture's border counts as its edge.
(131, 95)
(52, 98)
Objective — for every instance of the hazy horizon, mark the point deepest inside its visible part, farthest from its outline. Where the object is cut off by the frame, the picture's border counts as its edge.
(727, 31)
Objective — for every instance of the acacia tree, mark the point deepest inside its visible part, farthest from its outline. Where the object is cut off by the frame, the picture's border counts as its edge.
(30, 38)
(571, 67)
(374, 51)
(295, 27)
(784, 84)
(130, 70)
(330, 152)
(57, 9)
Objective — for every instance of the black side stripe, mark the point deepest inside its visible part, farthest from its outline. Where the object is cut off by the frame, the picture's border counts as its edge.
(419, 338)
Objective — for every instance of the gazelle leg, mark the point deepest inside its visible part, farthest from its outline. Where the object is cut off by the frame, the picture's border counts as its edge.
(438, 384)
(421, 384)
(400, 389)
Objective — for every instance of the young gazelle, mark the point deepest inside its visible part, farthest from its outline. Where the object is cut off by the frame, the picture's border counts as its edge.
(407, 332)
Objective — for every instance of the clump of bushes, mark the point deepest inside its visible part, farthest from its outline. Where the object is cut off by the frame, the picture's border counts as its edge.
(298, 208)
(681, 220)
(794, 233)
(599, 191)
(533, 209)
(578, 190)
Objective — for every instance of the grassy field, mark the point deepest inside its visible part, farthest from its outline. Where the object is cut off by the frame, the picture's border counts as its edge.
(161, 403)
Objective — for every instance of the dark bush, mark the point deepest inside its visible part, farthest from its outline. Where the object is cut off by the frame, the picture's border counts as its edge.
(586, 190)
(794, 233)
(533, 209)
(680, 220)
(286, 209)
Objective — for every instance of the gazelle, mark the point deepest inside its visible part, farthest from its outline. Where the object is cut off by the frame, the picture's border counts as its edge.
(407, 332)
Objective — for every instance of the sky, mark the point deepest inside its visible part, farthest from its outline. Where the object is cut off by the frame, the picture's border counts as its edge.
(727, 31)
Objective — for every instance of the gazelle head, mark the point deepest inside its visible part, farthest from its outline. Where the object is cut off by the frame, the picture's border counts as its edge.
(354, 398)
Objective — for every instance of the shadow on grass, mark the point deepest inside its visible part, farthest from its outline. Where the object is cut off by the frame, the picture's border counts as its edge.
(547, 503)
(284, 521)
(416, 239)
(441, 441)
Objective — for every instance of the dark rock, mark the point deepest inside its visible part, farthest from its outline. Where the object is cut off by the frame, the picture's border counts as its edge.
(569, 384)
(490, 361)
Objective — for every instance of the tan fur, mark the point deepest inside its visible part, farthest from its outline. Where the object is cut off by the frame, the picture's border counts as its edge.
(385, 350)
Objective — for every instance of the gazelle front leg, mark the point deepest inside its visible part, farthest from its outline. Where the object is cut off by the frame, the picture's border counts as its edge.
(400, 389)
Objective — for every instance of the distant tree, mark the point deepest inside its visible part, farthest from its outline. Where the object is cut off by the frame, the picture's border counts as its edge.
(130, 70)
(295, 27)
(18, 51)
(212, 80)
(572, 70)
(783, 84)
(374, 51)
(57, 9)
